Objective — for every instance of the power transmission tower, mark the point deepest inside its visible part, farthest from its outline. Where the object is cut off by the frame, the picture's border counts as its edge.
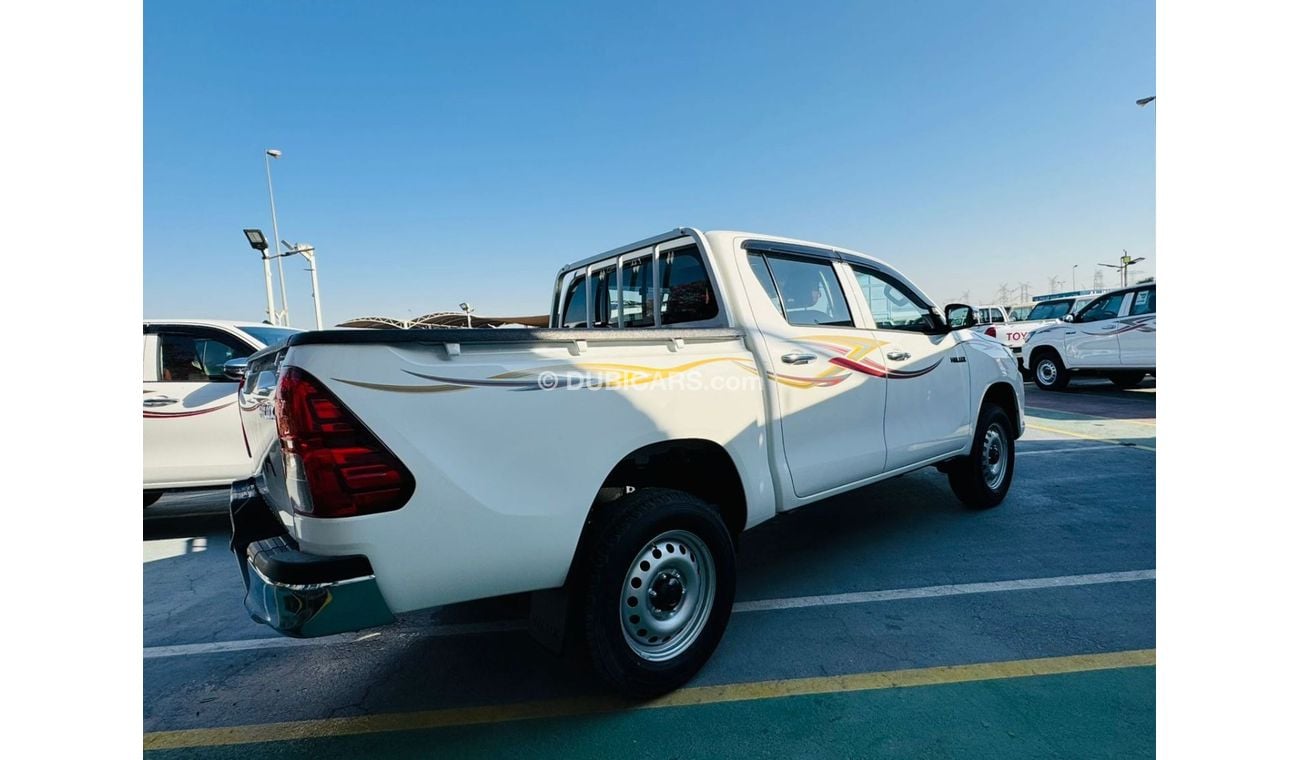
(1098, 280)
(1024, 292)
(1004, 294)
(1052, 283)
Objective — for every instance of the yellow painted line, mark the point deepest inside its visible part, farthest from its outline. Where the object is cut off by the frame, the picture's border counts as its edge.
(1090, 416)
(699, 695)
(1087, 437)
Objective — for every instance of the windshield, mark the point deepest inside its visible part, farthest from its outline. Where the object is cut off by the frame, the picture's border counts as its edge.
(1051, 310)
(268, 335)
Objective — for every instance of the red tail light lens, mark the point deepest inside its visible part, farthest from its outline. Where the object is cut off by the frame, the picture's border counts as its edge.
(334, 466)
(992, 332)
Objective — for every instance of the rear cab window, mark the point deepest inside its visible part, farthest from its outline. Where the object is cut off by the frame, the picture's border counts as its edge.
(663, 285)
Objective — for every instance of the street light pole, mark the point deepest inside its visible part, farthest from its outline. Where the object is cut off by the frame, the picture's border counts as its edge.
(275, 230)
(308, 252)
(1074, 279)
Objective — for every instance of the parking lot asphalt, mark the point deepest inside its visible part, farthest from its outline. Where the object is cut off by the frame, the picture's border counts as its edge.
(888, 621)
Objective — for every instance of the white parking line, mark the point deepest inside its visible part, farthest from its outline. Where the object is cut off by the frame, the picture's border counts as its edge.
(1072, 448)
(930, 592)
(762, 605)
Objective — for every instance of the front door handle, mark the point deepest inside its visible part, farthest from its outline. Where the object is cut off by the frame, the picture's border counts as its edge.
(159, 401)
(898, 356)
(797, 358)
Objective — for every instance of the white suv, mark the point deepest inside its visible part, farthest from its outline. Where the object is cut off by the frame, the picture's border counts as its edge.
(1113, 336)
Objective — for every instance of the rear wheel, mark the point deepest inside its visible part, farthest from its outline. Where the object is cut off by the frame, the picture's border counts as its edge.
(982, 478)
(1127, 379)
(658, 591)
(1049, 373)
(151, 496)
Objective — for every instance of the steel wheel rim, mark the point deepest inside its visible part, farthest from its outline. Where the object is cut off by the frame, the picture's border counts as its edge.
(667, 595)
(993, 457)
(1047, 371)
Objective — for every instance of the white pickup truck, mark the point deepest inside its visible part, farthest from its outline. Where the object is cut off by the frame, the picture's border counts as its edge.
(691, 385)
(1114, 335)
(191, 425)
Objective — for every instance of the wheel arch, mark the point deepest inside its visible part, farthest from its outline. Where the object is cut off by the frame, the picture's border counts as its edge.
(1004, 395)
(697, 466)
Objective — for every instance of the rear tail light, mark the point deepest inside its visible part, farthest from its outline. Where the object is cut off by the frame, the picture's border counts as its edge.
(334, 466)
(992, 332)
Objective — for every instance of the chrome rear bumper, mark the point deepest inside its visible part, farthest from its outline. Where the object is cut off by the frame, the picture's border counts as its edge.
(294, 592)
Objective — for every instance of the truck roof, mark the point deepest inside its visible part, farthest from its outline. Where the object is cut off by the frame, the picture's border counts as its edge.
(718, 234)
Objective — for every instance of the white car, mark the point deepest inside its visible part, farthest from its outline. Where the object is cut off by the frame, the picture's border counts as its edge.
(691, 385)
(1013, 334)
(1113, 336)
(192, 434)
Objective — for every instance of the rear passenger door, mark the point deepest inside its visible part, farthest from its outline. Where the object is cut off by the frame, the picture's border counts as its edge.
(1137, 335)
(830, 406)
(927, 404)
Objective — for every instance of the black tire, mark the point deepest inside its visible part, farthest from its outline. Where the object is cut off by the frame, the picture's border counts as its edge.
(151, 496)
(621, 531)
(967, 475)
(1050, 373)
(1127, 379)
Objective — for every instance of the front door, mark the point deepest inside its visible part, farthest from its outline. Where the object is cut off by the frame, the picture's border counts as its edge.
(832, 412)
(192, 432)
(927, 404)
(1093, 339)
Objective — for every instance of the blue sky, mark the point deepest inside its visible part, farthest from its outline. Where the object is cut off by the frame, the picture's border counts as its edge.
(440, 152)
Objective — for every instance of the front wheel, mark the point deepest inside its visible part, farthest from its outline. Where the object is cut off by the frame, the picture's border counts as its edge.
(1049, 373)
(982, 478)
(659, 587)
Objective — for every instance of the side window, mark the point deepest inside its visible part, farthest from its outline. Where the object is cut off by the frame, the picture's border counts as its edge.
(764, 275)
(892, 307)
(575, 309)
(685, 293)
(996, 317)
(1106, 307)
(1144, 302)
(197, 357)
(810, 293)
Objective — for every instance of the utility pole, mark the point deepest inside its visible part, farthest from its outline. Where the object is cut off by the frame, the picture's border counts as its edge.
(1052, 283)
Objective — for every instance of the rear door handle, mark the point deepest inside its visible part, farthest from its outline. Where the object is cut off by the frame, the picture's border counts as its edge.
(797, 358)
(159, 401)
(898, 356)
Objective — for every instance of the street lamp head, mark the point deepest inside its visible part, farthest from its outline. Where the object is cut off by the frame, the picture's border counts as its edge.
(1142, 103)
(273, 152)
(256, 239)
(465, 307)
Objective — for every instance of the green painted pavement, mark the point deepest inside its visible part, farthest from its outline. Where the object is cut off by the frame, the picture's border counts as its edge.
(1095, 714)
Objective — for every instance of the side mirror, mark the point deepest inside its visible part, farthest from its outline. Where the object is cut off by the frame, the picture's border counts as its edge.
(235, 369)
(1068, 318)
(960, 316)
